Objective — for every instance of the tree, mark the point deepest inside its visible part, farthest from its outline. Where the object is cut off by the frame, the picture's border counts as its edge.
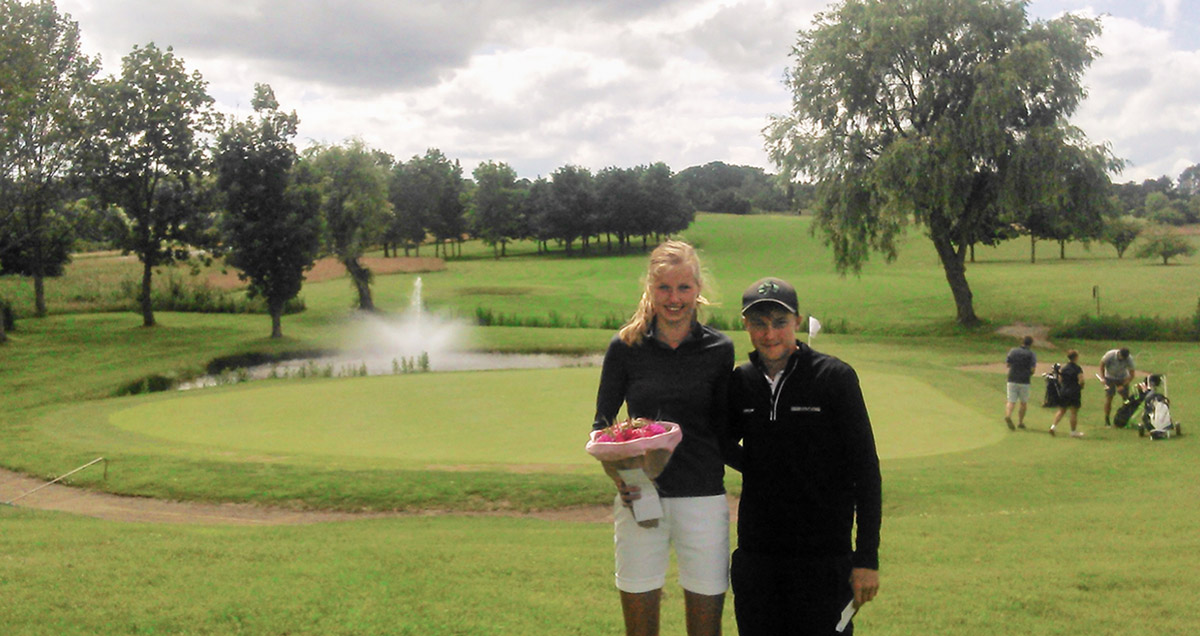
(671, 214)
(145, 154)
(1162, 242)
(916, 111)
(1121, 232)
(442, 184)
(1189, 181)
(496, 205)
(272, 223)
(621, 202)
(355, 205)
(43, 83)
(572, 213)
(409, 196)
(1159, 208)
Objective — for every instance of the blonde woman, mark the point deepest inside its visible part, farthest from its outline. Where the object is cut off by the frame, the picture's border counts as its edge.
(663, 364)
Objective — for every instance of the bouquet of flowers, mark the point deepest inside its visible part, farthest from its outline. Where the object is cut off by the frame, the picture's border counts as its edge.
(637, 450)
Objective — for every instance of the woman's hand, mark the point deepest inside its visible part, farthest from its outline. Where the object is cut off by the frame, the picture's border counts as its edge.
(629, 494)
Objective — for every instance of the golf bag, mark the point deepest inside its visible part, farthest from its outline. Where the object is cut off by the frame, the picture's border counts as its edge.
(1129, 408)
(1053, 397)
(1156, 417)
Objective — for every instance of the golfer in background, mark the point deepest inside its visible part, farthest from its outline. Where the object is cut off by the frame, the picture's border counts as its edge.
(1116, 367)
(809, 471)
(1022, 362)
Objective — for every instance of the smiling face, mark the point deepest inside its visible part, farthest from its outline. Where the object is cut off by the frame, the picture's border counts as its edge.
(674, 293)
(773, 334)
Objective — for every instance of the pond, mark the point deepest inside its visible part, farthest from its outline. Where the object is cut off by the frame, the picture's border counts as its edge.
(367, 365)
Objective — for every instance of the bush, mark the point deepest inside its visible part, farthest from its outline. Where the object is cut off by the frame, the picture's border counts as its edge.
(175, 293)
(149, 384)
(1132, 328)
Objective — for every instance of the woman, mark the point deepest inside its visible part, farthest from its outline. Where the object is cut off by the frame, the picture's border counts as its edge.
(1070, 391)
(663, 364)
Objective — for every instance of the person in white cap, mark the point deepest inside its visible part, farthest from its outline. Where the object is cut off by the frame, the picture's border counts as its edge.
(802, 439)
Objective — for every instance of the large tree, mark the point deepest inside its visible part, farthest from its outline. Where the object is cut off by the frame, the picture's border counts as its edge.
(918, 110)
(146, 154)
(354, 201)
(43, 83)
(272, 222)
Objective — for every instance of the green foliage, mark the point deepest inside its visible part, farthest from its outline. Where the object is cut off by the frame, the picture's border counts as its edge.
(152, 383)
(354, 202)
(1131, 328)
(719, 187)
(177, 293)
(1161, 242)
(272, 224)
(943, 112)
(1121, 232)
(145, 154)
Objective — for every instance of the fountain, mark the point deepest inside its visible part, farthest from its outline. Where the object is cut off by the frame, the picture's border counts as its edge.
(416, 341)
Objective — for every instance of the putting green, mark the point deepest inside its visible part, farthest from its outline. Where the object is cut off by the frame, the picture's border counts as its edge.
(518, 417)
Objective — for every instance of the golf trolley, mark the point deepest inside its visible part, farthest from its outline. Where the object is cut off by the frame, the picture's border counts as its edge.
(1155, 421)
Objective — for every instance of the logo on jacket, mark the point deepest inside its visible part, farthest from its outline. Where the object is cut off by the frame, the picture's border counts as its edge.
(806, 409)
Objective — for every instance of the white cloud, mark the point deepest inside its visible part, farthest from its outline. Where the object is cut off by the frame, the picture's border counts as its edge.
(543, 83)
(1144, 98)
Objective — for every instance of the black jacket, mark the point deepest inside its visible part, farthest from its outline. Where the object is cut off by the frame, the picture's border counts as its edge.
(807, 458)
(687, 385)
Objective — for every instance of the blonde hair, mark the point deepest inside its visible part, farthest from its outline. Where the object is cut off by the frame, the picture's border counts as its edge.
(668, 255)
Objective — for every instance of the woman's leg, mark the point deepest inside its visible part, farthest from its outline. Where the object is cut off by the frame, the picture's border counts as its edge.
(703, 613)
(641, 612)
(1074, 417)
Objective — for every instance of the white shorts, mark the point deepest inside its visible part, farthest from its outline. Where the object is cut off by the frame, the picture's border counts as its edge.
(699, 529)
(1018, 392)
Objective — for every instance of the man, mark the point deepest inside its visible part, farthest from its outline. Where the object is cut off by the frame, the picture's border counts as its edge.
(809, 469)
(1116, 367)
(1022, 362)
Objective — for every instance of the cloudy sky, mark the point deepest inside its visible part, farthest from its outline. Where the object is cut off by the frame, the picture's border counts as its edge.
(539, 84)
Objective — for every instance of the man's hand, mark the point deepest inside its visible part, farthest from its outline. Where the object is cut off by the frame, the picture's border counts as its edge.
(865, 584)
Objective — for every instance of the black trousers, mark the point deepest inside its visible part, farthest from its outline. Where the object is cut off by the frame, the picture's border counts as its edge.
(776, 595)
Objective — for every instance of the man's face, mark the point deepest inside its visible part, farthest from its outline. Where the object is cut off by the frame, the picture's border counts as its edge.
(772, 333)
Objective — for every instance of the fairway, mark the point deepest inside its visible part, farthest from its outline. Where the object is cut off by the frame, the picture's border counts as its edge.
(516, 418)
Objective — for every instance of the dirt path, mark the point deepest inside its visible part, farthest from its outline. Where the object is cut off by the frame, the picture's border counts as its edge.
(145, 510)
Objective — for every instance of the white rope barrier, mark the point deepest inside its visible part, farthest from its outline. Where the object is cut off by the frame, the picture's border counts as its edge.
(62, 477)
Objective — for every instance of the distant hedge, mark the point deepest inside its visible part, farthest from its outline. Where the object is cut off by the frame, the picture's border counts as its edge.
(1141, 328)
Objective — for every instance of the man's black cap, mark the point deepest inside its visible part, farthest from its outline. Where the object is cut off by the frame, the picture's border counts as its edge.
(770, 290)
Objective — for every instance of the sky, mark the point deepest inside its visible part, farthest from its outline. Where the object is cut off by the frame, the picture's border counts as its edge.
(540, 84)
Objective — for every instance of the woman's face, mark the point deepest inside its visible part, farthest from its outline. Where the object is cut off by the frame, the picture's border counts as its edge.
(674, 294)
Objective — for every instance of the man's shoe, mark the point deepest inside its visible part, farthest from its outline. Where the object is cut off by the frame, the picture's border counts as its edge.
(1076, 433)
(1107, 422)
(1021, 426)
(1051, 431)
(1008, 420)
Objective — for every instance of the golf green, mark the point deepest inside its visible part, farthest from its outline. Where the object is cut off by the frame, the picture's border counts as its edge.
(517, 417)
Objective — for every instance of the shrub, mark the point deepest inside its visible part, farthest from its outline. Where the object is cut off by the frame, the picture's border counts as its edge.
(149, 384)
(176, 293)
(1142, 328)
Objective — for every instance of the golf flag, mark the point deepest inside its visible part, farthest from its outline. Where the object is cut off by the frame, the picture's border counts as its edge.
(814, 326)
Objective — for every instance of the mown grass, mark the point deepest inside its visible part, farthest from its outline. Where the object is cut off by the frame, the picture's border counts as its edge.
(1012, 534)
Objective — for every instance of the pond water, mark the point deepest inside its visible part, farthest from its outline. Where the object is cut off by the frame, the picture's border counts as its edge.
(364, 365)
(415, 341)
